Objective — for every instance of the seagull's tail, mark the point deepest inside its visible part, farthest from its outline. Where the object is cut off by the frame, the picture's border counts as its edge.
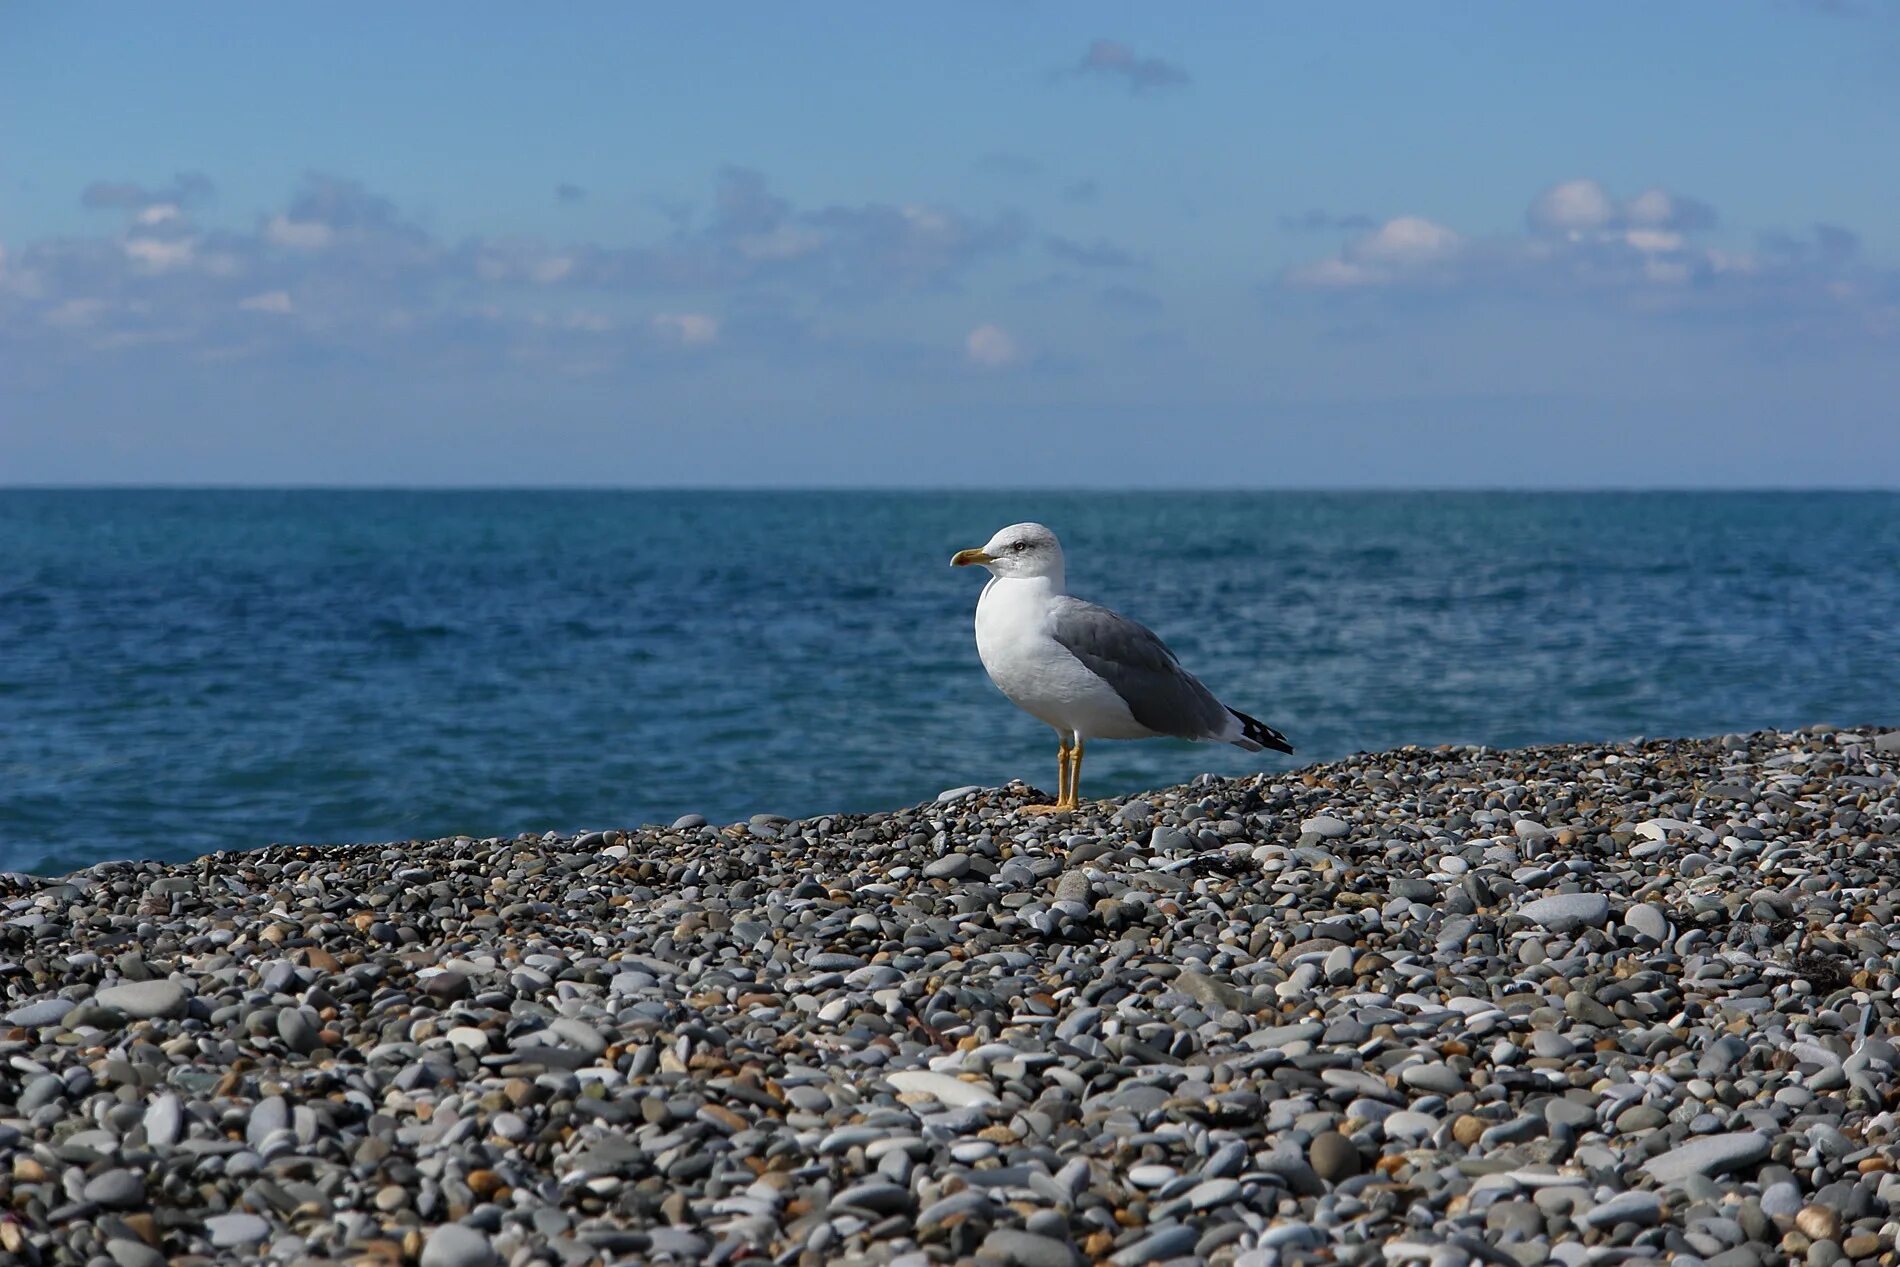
(1256, 734)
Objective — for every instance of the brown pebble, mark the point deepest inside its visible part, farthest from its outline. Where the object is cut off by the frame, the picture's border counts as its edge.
(320, 959)
(1818, 1223)
(1466, 1129)
(723, 1117)
(1865, 1245)
(1333, 1157)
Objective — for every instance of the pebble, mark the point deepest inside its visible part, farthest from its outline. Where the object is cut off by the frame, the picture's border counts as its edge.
(1333, 1157)
(1567, 912)
(1709, 1155)
(144, 1000)
(1441, 1005)
(164, 1118)
(1647, 920)
(116, 1188)
(130, 1253)
(454, 1245)
(953, 1092)
(1012, 1248)
(45, 1012)
(234, 1231)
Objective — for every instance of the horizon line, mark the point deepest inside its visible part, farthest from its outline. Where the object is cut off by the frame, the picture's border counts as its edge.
(1049, 489)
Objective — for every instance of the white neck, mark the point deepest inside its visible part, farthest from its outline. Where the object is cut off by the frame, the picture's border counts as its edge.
(1046, 586)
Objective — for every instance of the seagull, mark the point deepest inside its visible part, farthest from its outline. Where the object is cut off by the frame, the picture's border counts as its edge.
(1084, 670)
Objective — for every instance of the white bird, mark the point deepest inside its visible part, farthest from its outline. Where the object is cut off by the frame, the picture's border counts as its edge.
(1084, 670)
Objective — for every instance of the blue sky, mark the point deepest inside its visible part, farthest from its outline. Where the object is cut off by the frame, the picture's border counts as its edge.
(984, 244)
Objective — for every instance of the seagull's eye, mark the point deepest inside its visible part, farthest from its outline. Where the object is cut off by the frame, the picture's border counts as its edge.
(1020, 546)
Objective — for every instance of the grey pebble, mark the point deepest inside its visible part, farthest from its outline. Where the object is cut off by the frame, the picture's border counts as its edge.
(1709, 1155)
(1568, 912)
(144, 1000)
(1013, 1248)
(116, 1188)
(455, 1245)
(235, 1231)
(1440, 1006)
(130, 1253)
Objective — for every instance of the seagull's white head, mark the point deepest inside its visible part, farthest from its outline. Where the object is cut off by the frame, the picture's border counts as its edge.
(1020, 550)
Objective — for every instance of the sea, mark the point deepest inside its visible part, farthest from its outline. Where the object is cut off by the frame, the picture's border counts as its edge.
(186, 671)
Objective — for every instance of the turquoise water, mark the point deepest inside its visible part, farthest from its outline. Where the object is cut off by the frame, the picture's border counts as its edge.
(186, 671)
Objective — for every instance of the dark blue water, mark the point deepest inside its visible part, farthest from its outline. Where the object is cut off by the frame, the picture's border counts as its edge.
(190, 671)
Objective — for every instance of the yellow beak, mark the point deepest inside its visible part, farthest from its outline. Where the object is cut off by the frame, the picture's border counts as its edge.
(964, 558)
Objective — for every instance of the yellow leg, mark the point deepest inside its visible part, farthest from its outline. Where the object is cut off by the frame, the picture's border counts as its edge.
(1062, 781)
(1075, 775)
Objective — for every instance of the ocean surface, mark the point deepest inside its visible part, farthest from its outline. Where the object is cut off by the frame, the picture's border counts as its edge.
(187, 671)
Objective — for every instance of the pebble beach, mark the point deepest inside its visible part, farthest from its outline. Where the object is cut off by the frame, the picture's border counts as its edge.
(1448, 1006)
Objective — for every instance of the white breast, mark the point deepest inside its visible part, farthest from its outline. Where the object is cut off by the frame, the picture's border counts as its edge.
(1036, 672)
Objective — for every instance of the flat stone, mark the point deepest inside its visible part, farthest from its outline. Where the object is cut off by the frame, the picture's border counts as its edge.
(116, 1188)
(1011, 1247)
(130, 1253)
(579, 1035)
(1708, 1155)
(1157, 1246)
(233, 1231)
(271, 1115)
(876, 1196)
(946, 1090)
(952, 866)
(1641, 1208)
(469, 1038)
(1211, 992)
(1433, 1076)
(1568, 912)
(455, 1245)
(144, 1000)
(1648, 920)
(1325, 826)
(164, 1119)
(44, 1012)
(1407, 1125)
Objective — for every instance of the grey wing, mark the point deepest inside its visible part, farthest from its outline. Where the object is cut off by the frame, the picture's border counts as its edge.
(1162, 695)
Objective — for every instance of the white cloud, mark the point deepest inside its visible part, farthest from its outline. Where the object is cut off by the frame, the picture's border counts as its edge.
(1652, 206)
(158, 213)
(159, 254)
(1576, 206)
(992, 347)
(1407, 248)
(1408, 242)
(277, 301)
(688, 329)
(300, 235)
(1652, 241)
(1648, 254)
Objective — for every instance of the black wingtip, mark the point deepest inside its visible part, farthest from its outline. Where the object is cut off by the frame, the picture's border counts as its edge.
(1261, 733)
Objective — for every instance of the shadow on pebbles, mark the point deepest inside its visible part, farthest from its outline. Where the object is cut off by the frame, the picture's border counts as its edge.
(1449, 1006)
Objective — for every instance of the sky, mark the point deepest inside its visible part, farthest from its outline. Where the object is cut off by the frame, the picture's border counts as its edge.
(976, 245)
